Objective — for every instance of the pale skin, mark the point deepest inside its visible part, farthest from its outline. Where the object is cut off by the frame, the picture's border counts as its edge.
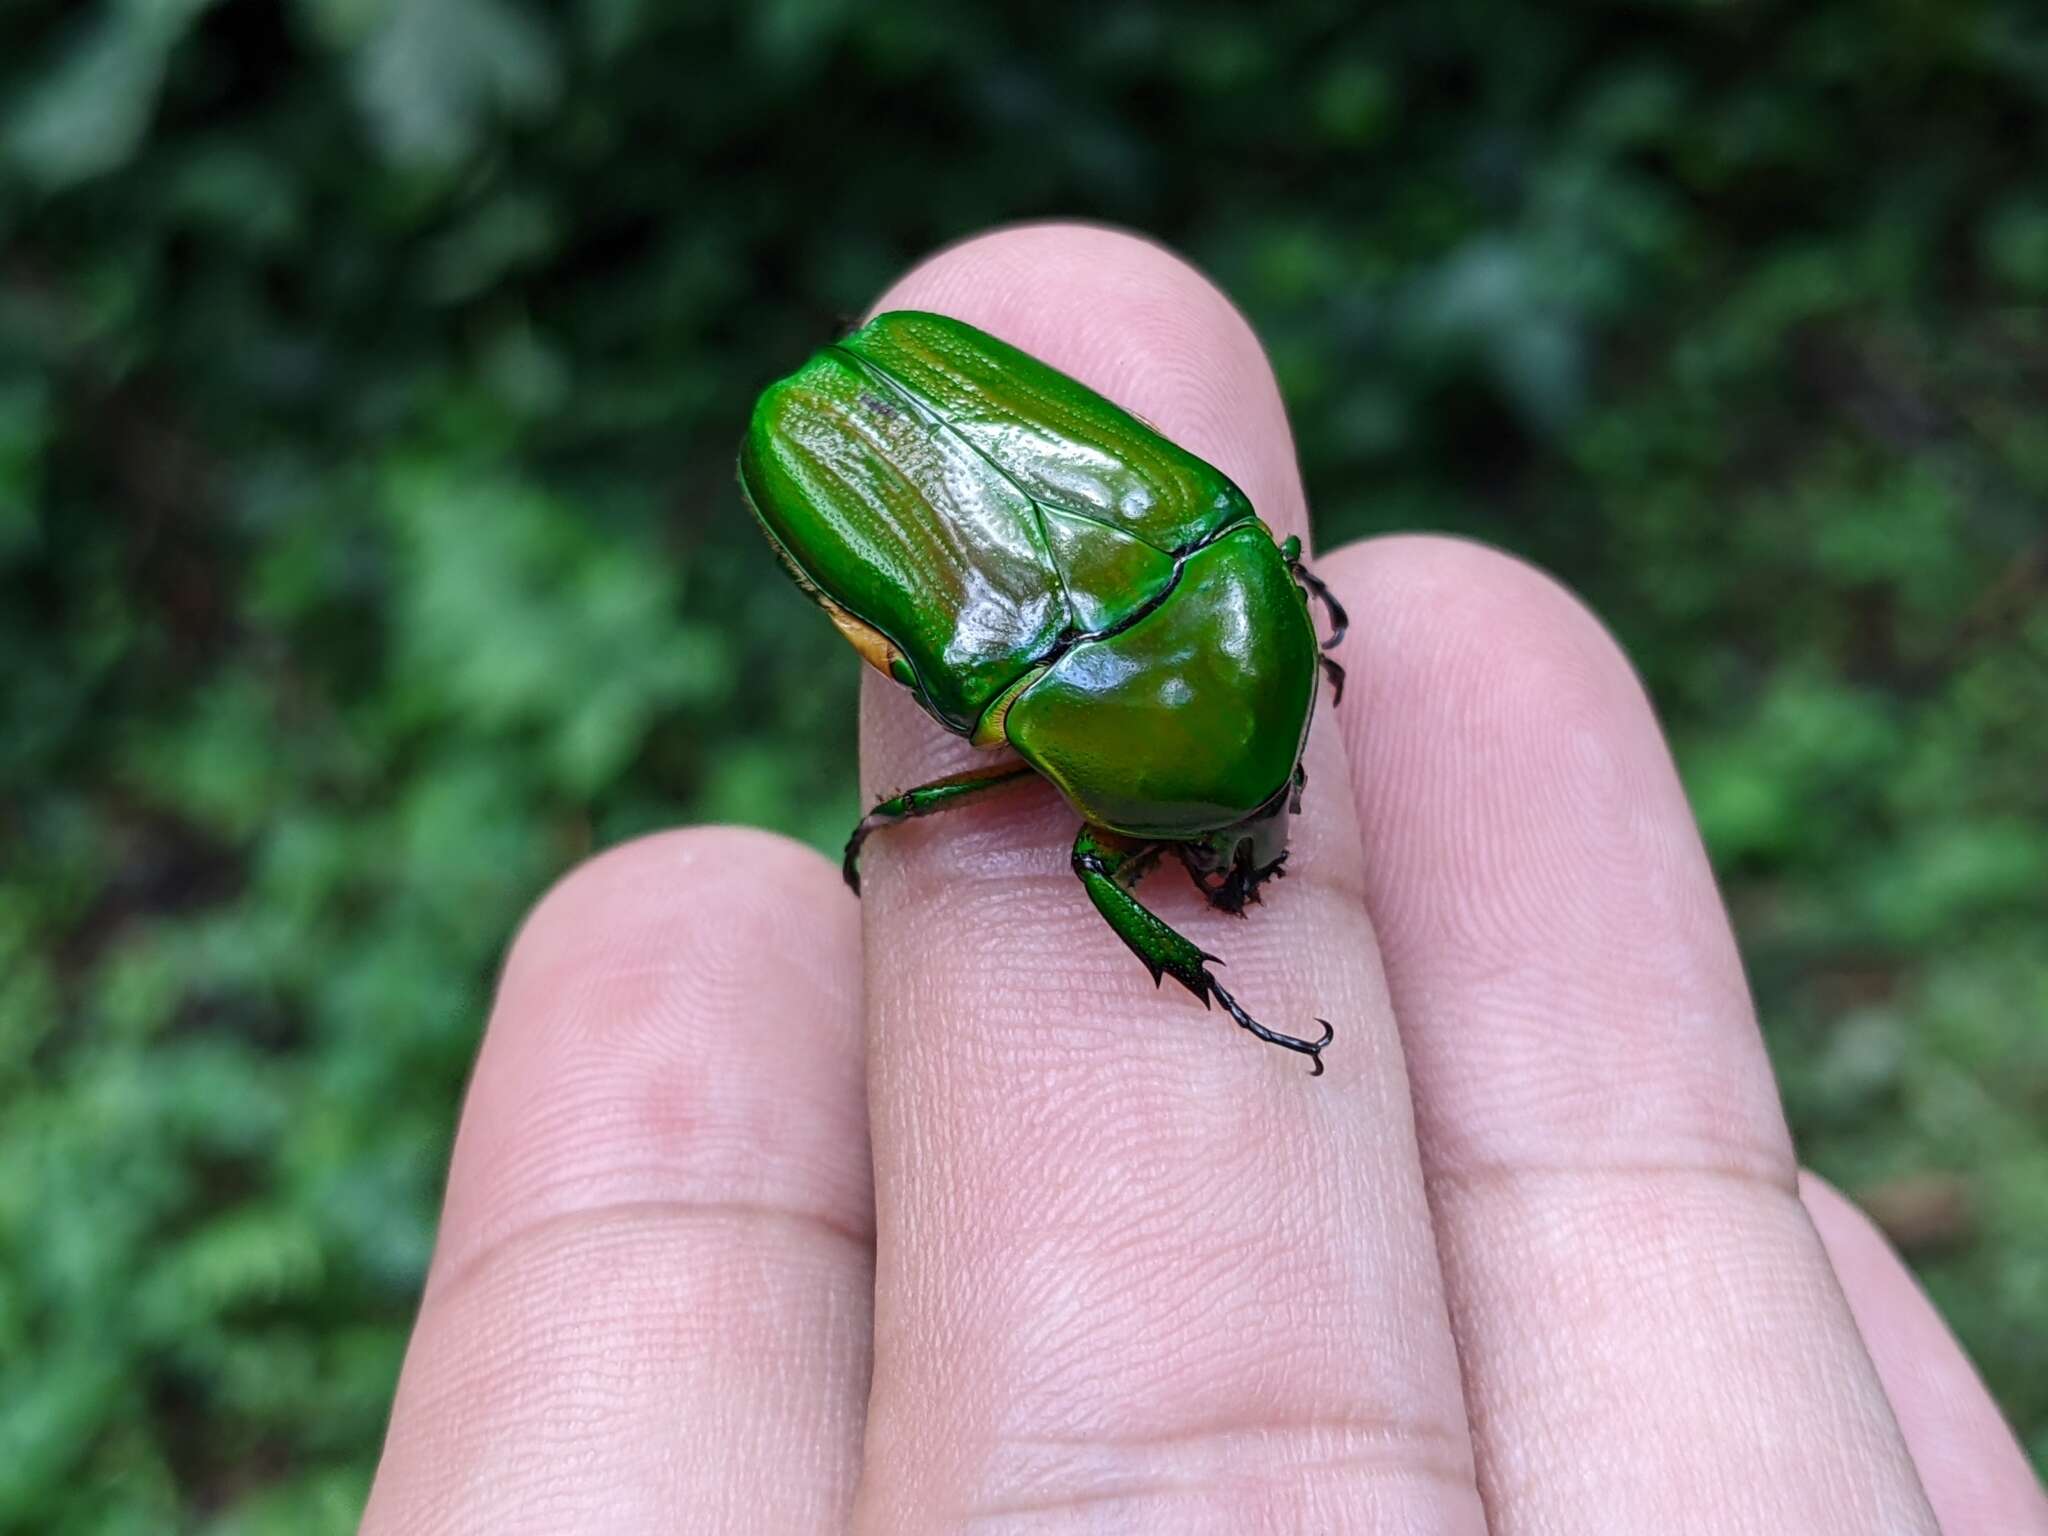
(774, 1211)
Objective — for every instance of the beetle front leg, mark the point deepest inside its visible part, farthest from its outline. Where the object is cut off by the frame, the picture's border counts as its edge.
(1108, 866)
(1340, 621)
(955, 789)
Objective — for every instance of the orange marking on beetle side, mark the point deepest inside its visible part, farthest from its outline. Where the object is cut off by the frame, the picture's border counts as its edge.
(875, 648)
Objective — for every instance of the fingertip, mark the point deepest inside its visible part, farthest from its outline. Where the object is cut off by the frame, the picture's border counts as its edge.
(1527, 832)
(652, 882)
(655, 1251)
(678, 1018)
(1458, 610)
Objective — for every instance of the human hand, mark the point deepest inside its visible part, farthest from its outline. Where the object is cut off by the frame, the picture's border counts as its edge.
(771, 1212)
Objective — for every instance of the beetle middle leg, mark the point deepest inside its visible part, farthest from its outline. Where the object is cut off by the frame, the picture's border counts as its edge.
(1108, 866)
(1340, 621)
(955, 789)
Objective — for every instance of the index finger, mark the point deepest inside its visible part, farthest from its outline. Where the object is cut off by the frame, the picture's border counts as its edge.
(1129, 1260)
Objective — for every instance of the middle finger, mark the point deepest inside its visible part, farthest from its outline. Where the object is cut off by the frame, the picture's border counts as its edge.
(1130, 1262)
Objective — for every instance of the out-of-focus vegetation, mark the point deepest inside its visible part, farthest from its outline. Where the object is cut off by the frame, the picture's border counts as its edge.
(369, 372)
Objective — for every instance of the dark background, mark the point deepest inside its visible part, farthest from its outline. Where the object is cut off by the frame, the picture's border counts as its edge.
(369, 551)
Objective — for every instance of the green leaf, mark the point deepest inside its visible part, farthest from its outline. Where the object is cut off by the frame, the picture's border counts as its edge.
(88, 113)
(435, 73)
(2016, 245)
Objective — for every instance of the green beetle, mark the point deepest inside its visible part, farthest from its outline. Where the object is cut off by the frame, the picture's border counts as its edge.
(1048, 573)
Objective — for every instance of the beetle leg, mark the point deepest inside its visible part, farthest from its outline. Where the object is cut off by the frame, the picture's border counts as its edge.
(1234, 887)
(1340, 621)
(955, 789)
(1105, 862)
(1139, 864)
(1333, 670)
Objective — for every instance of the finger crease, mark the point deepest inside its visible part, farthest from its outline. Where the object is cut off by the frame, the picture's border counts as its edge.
(1055, 1472)
(651, 1212)
(1766, 1172)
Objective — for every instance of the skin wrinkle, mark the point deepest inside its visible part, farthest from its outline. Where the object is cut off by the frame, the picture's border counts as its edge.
(1553, 1093)
(1253, 1461)
(715, 1213)
(1057, 1356)
(614, 1113)
(1763, 1174)
(1054, 1471)
(616, 1116)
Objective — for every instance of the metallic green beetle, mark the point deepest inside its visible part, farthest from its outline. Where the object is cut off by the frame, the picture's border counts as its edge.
(1048, 573)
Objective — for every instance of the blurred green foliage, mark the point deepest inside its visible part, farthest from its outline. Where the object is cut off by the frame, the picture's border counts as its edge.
(369, 371)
